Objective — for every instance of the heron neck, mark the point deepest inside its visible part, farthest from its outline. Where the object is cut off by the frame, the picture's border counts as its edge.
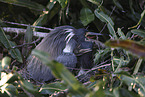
(68, 49)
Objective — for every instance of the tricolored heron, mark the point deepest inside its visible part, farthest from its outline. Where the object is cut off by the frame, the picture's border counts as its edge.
(66, 45)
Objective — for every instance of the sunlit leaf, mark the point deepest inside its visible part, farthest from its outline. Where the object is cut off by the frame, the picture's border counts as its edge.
(25, 3)
(6, 78)
(10, 90)
(86, 16)
(6, 61)
(129, 45)
(15, 53)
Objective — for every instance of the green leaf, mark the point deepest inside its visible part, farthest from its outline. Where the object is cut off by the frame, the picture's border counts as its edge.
(0, 65)
(139, 22)
(123, 73)
(27, 39)
(60, 71)
(139, 32)
(46, 16)
(97, 2)
(101, 55)
(105, 18)
(86, 16)
(116, 2)
(137, 83)
(121, 34)
(28, 86)
(6, 61)
(122, 92)
(138, 64)
(63, 3)
(52, 88)
(41, 18)
(6, 78)
(15, 53)
(28, 35)
(26, 3)
(10, 90)
(98, 90)
(51, 4)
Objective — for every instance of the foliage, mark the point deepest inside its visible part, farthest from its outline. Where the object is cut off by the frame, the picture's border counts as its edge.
(122, 20)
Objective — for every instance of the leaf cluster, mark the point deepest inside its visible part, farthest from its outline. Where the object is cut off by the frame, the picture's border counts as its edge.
(119, 67)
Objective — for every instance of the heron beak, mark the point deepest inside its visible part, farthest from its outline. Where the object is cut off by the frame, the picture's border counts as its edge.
(92, 35)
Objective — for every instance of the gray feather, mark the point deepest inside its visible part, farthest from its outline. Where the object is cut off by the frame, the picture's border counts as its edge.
(36, 69)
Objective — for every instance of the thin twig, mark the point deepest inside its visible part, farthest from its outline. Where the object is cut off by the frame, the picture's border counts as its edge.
(103, 62)
(26, 43)
(27, 25)
(94, 68)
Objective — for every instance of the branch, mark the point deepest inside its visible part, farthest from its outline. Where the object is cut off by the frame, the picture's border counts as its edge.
(26, 43)
(94, 68)
(20, 30)
(27, 25)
